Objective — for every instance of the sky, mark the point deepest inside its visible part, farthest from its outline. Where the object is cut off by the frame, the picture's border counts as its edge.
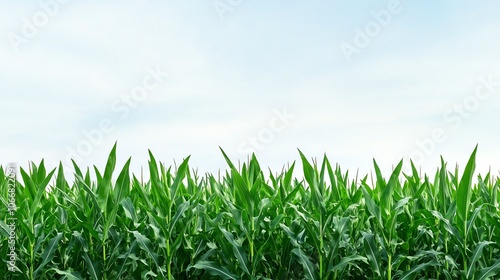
(354, 80)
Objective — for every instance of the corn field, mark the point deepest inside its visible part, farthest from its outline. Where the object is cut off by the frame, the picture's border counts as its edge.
(249, 223)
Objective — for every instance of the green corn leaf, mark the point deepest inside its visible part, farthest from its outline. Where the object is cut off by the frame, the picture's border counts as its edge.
(309, 173)
(122, 186)
(287, 180)
(40, 192)
(123, 267)
(129, 209)
(387, 193)
(104, 185)
(448, 226)
(4, 229)
(68, 274)
(315, 183)
(61, 183)
(413, 272)
(78, 171)
(40, 171)
(464, 192)
(214, 269)
(231, 165)
(48, 253)
(154, 177)
(380, 183)
(29, 186)
(237, 250)
(181, 209)
(80, 182)
(146, 245)
(181, 174)
(346, 261)
(472, 219)
(476, 255)
(372, 207)
(93, 267)
(310, 270)
(372, 252)
(488, 272)
(291, 235)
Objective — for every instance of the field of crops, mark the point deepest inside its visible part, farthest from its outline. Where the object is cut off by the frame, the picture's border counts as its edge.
(250, 223)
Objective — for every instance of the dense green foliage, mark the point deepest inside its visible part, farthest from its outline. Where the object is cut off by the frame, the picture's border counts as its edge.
(249, 224)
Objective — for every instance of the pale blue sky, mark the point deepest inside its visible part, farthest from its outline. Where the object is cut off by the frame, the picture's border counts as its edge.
(229, 73)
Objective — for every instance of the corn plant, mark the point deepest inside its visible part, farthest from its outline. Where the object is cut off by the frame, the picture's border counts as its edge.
(246, 223)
